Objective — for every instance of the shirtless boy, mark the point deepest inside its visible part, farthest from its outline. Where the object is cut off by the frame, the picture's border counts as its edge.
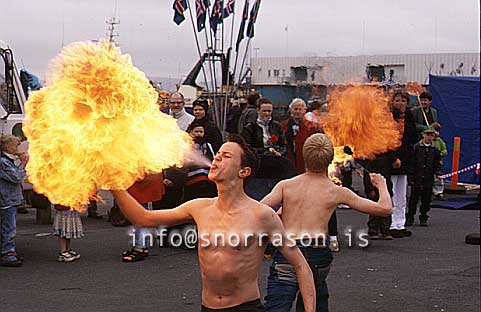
(308, 200)
(229, 268)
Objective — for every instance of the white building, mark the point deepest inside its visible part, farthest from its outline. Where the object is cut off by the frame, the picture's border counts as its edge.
(400, 68)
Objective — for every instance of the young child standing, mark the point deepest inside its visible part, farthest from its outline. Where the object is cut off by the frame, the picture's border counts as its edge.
(12, 173)
(426, 163)
(67, 225)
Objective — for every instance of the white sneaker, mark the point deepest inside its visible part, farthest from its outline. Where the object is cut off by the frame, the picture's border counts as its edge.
(65, 257)
(75, 254)
(334, 245)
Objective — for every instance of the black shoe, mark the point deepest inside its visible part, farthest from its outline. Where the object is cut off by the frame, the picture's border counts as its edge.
(440, 197)
(396, 233)
(423, 223)
(385, 236)
(405, 233)
(94, 215)
(373, 236)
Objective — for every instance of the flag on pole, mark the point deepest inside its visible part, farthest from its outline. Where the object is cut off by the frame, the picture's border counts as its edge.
(253, 18)
(229, 8)
(217, 14)
(245, 16)
(179, 8)
(201, 9)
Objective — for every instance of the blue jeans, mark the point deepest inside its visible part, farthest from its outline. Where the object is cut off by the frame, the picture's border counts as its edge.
(143, 236)
(8, 219)
(283, 287)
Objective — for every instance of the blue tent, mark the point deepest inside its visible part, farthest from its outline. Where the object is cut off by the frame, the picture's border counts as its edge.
(457, 102)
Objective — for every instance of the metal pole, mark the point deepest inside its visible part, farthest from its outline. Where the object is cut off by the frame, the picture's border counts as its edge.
(198, 45)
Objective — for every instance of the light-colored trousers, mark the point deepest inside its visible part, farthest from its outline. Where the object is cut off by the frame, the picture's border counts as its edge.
(438, 186)
(399, 189)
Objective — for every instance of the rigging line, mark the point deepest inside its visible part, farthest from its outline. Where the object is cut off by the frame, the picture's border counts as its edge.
(243, 63)
(228, 91)
(197, 43)
(212, 64)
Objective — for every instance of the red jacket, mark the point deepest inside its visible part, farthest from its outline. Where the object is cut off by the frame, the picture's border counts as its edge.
(150, 189)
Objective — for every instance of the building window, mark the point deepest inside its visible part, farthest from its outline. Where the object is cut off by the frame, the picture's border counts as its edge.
(276, 73)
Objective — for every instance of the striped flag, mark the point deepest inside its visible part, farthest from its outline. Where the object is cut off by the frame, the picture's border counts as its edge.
(179, 8)
(253, 18)
(201, 7)
(217, 14)
(245, 16)
(229, 8)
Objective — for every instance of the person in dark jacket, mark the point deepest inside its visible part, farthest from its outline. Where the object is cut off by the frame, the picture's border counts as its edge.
(403, 154)
(249, 113)
(212, 133)
(424, 115)
(425, 165)
(382, 164)
(265, 135)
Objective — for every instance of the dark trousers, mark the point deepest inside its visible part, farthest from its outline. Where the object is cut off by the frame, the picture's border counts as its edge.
(378, 225)
(346, 179)
(251, 306)
(283, 287)
(332, 225)
(425, 194)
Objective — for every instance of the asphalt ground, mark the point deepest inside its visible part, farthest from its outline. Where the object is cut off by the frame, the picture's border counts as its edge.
(434, 270)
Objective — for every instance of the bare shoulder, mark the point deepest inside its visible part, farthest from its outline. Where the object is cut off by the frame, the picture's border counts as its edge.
(265, 213)
(199, 204)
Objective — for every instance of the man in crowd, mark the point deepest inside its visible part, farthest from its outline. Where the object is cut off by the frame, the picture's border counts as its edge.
(249, 113)
(177, 111)
(229, 273)
(308, 201)
(425, 115)
(265, 134)
(291, 127)
(211, 131)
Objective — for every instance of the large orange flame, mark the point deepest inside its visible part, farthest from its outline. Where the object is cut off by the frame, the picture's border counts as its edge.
(359, 117)
(96, 125)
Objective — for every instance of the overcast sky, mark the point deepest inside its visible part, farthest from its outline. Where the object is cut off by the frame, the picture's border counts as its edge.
(36, 29)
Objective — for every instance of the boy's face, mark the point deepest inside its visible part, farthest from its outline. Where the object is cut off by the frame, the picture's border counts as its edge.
(428, 137)
(227, 164)
(197, 132)
(12, 147)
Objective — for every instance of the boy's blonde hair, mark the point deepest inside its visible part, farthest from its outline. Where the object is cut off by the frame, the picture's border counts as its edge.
(318, 152)
(6, 140)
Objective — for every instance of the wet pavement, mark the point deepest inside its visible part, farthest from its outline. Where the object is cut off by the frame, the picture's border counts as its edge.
(434, 270)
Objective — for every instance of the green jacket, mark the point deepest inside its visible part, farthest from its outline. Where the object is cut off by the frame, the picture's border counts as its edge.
(441, 146)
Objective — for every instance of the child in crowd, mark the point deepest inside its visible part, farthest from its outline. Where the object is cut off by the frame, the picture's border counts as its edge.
(146, 191)
(12, 173)
(67, 225)
(426, 164)
(438, 187)
(198, 185)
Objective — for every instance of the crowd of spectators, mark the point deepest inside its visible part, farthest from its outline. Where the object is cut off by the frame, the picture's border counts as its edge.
(410, 169)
